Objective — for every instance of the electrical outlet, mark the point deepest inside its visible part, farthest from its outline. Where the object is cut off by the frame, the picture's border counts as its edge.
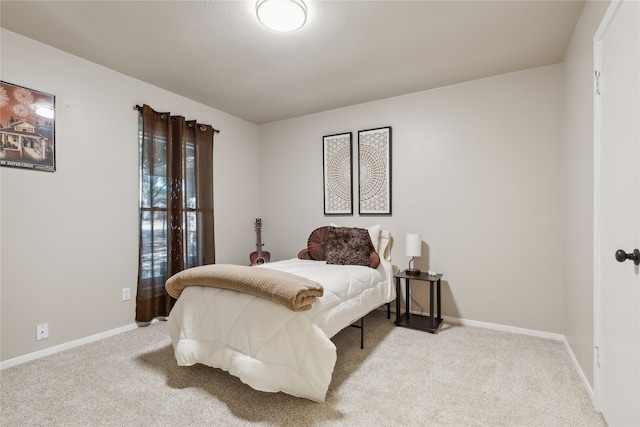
(126, 294)
(42, 331)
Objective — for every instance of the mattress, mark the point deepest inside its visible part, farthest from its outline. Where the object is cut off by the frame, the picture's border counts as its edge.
(268, 346)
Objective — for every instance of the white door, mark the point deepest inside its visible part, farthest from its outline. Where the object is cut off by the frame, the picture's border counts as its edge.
(617, 203)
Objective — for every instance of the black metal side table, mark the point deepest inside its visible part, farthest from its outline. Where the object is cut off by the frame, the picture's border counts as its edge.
(424, 323)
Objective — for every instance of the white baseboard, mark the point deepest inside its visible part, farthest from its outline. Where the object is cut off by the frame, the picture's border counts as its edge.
(580, 372)
(504, 328)
(66, 346)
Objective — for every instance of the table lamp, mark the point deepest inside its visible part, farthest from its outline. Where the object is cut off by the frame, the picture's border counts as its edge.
(413, 249)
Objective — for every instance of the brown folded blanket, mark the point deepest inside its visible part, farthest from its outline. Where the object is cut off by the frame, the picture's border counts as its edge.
(295, 292)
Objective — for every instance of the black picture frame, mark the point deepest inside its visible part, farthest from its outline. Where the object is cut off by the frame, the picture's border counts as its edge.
(27, 128)
(338, 173)
(374, 166)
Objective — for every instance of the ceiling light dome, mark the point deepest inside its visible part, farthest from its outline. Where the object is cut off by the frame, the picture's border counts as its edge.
(282, 15)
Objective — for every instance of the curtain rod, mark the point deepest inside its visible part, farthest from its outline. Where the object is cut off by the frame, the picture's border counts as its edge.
(139, 108)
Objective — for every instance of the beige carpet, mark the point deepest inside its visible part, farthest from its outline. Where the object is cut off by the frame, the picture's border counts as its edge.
(462, 376)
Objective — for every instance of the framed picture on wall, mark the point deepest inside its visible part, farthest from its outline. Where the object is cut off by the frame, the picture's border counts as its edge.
(338, 174)
(374, 165)
(27, 128)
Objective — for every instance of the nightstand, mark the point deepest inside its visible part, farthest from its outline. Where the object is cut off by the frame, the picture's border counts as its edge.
(424, 323)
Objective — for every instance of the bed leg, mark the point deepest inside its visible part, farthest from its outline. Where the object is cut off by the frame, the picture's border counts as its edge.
(361, 327)
(388, 310)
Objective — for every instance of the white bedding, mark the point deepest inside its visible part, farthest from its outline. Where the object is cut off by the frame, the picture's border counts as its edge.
(268, 346)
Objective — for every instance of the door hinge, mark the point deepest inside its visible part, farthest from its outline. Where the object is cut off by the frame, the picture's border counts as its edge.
(597, 356)
(596, 77)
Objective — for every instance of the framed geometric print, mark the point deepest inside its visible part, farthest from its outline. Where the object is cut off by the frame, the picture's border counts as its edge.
(338, 174)
(374, 164)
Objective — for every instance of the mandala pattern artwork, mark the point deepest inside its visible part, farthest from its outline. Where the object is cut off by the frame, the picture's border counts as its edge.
(374, 171)
(338, 174)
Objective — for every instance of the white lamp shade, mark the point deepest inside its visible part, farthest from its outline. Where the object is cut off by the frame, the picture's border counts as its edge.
(414, 245)
(282, 15)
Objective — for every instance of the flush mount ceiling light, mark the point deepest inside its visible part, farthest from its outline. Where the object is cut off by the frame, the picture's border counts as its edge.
(282, 15)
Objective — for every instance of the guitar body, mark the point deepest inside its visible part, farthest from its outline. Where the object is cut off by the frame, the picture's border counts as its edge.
(259, 257)
(256, 259)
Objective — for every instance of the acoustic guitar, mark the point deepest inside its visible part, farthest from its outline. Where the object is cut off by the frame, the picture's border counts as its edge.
(259, 257)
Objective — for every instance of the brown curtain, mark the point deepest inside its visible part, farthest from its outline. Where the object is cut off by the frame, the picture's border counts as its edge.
(176, 205)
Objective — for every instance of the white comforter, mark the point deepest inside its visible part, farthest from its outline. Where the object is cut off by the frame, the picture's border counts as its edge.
(268, 346)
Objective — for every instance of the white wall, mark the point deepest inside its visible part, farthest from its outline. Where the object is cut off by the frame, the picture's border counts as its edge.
(578, 187)
(69, 239)
(476, 169)
(505, 207)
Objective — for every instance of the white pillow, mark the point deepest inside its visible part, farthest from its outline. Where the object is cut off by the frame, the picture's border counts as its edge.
(384, 247)
(374, 233)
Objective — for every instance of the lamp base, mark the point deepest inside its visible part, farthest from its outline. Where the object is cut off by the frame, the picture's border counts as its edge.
(413, 271)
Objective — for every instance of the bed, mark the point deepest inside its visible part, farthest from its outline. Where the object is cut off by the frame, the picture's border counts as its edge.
(273, 347)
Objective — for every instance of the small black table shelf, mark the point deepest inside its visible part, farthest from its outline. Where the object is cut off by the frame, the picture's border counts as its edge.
(428, 323)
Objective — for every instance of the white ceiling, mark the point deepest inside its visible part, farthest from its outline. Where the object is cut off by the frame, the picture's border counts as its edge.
(349, 52)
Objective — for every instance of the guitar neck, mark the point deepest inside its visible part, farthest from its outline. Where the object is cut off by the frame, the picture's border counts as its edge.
(259, 237)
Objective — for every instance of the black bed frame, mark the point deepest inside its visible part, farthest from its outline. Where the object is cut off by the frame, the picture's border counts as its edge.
(361, 325)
